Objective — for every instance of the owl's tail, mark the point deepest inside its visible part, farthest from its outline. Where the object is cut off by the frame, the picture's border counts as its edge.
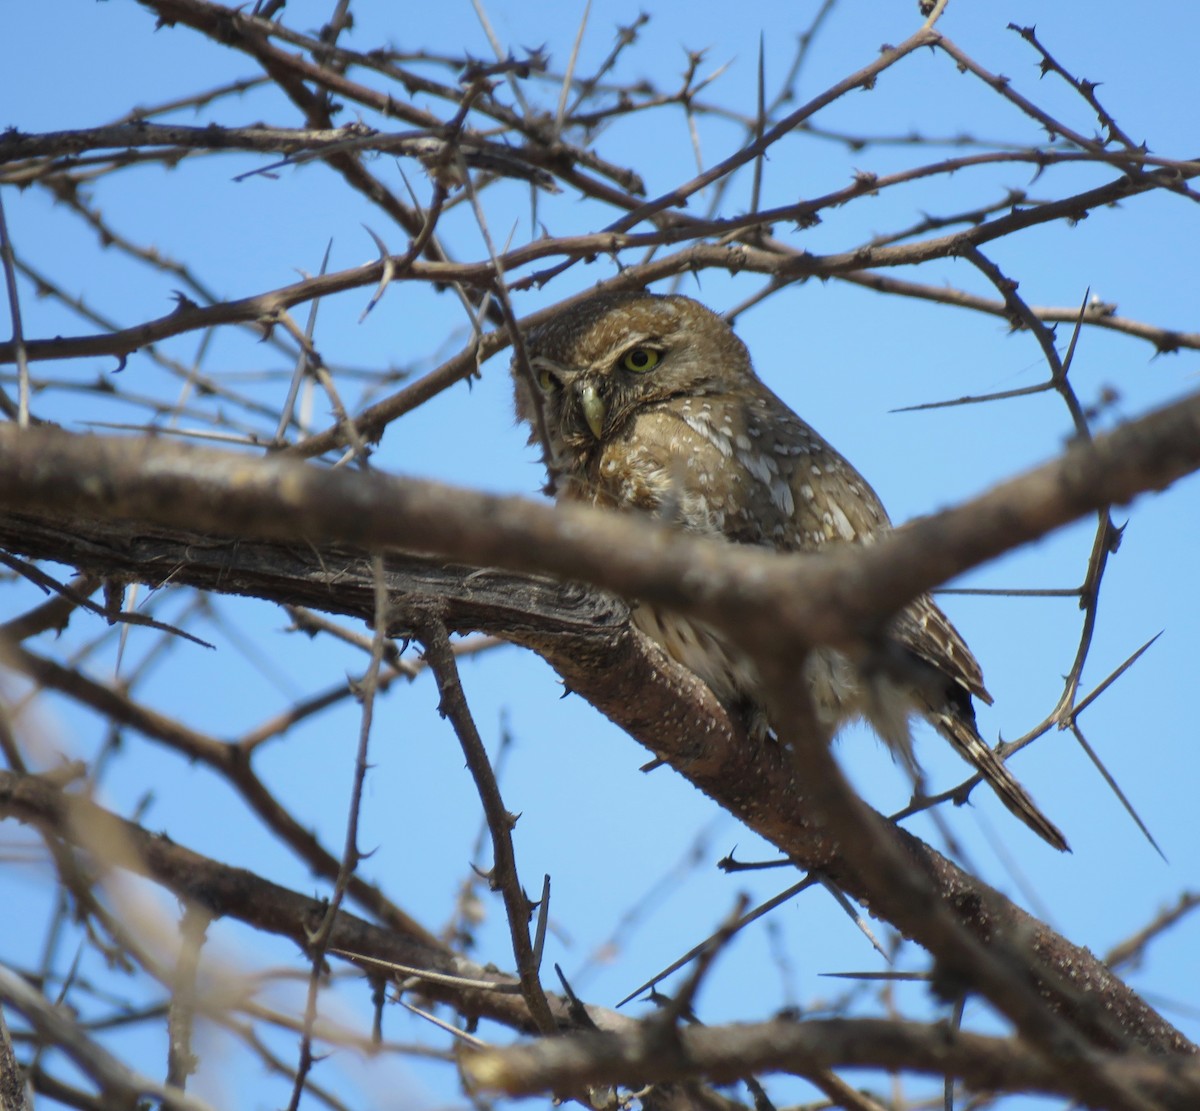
(972, 747)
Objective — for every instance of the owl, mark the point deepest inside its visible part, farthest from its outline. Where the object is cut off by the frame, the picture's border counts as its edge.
(650, 404)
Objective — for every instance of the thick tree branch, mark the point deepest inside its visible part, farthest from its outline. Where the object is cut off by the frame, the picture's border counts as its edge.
(755, 596)
(724, 1054)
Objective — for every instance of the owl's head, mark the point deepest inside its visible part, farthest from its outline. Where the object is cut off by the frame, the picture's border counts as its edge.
(597, 364)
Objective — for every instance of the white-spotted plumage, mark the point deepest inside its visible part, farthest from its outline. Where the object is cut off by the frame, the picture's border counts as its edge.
(652, 405)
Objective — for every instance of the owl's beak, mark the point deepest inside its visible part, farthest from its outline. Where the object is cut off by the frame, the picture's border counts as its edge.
(594, 408)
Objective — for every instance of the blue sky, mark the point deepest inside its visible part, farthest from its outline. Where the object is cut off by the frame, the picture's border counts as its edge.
(844, 358)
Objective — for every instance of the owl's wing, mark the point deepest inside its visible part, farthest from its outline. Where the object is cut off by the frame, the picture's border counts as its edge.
(848, 510)
(835, 504)
(926, 632)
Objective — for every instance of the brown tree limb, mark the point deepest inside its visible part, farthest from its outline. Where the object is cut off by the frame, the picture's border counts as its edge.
(817, 599)
(724, 1054)
(13, 1094)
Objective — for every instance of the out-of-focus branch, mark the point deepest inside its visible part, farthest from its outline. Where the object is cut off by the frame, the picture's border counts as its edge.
(121, 1085)
(726, 1053)
(237, 893)
(433, 970)
(229, 760)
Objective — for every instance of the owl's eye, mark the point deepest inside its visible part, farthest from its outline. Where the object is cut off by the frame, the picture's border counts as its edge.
(546, 381)
(640, 359)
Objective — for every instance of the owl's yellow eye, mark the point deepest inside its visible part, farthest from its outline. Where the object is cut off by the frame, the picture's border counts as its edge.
(546, 381)
(640, 359)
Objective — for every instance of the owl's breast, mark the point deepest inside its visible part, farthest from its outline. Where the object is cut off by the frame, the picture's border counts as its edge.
(739, 466)
(658, 464)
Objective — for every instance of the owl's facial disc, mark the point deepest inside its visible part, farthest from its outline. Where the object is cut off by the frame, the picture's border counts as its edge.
(598, 386)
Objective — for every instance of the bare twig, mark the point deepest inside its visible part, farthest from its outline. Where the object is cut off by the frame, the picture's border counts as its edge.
(453, 706)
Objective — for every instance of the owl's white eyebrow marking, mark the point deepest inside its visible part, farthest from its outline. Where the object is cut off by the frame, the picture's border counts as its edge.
(544, 362)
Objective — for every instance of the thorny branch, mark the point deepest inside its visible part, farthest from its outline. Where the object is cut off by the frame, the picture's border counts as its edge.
(560, 1064)
(453, 706)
